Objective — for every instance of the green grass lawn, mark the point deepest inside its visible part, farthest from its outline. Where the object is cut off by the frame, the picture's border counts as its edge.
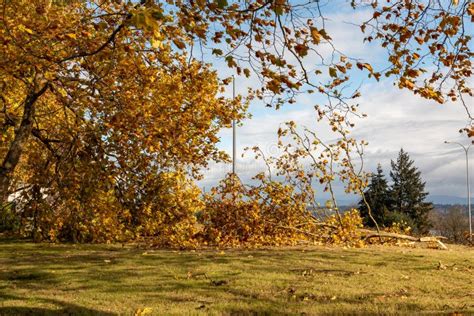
(108, 279)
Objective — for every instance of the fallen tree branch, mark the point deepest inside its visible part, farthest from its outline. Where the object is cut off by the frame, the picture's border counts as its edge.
(299, 230)
(367, 233)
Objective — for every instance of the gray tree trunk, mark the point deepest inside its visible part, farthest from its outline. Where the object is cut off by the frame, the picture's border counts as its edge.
(15, 150)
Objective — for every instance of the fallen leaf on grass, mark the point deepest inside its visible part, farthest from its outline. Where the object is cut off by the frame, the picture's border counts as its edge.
(441, 266)
(307, 297)
(143, 311)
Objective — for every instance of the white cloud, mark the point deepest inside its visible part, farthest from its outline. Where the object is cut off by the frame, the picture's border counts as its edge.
(396, 119)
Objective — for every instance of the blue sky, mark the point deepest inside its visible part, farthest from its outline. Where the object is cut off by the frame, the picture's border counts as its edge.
(396, 118)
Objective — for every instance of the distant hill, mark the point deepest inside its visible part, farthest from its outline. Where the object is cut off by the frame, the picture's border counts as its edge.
(352, 200)
(447, 199)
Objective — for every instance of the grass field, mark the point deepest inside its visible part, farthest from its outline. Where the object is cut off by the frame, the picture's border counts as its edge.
(107, 280)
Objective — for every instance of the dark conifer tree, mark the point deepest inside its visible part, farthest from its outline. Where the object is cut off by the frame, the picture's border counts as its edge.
(408, 192)
(377, 196)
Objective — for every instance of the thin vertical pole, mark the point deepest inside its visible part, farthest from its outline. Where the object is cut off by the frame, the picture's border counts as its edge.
(234, 151)
(468, 194)
(466, 150)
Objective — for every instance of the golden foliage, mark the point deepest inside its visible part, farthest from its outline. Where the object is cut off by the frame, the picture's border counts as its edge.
(344, 231)
(270, 213)
(100, 133)
(428, 46)
(107, 115)
(169, 216)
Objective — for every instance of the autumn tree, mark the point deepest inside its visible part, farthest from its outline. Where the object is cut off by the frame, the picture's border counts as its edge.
(408, 192)
(94, 116)
(102, 100)
(78, 71)
(87, 34)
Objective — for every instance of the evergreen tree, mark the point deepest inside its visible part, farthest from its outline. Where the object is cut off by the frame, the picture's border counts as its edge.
(377, 196)
(408, 192)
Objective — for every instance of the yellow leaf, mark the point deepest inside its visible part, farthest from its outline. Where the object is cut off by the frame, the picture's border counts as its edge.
(71, 36)
(23, 28)
(470, 11)
(144, 311)
(341, 68)
(366, 66)
(404, 82)
(156, 43)
(62, 91)
(419, 40)
(315, 35)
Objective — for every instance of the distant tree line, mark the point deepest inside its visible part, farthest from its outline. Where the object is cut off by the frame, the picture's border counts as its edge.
(451, 222)
(401, 201)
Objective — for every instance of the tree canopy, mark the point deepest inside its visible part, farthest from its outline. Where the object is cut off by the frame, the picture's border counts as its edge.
(109, 108)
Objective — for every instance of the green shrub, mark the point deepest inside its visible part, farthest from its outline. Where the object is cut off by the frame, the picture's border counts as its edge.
(9, 219)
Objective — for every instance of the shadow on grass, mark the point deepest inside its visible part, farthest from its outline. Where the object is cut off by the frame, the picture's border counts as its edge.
(61, 308)
(163, 276)
(68, 309)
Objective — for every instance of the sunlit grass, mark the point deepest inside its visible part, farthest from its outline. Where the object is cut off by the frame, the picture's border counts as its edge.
(110, 279)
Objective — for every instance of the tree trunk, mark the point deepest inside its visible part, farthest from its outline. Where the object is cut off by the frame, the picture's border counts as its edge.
(13, 155)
